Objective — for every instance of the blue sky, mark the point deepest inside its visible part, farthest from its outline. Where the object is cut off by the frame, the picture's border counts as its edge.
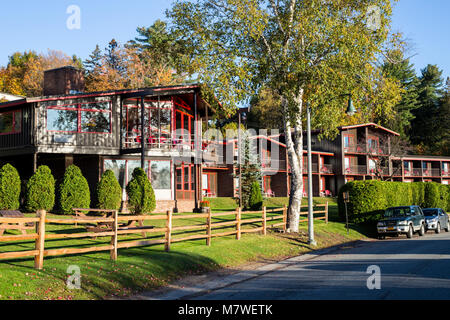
(41, 25)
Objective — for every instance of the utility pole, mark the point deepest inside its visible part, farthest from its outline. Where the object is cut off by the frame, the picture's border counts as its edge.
(310, 188)
(239, 160)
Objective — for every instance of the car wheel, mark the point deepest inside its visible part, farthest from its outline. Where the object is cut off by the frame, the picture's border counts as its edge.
(438, 228)
(448, 227)
(422, 230)
(410, 232)
(381, 237)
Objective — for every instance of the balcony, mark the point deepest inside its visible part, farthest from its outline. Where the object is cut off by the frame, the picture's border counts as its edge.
(446, 174)
(355, 170)
(327, 169)
(315, 168)
(413, 173)
(384, 171)
(363, 149)
(269, 164)
(431, 172)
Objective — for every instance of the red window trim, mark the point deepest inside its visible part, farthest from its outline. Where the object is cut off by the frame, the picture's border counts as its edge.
(77, 107)
(14, 122)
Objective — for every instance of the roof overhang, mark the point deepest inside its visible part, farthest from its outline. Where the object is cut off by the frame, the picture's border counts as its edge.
(371, 124)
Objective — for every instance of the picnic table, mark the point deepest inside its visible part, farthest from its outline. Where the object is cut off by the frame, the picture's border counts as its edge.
(107, 226)
(23, 227)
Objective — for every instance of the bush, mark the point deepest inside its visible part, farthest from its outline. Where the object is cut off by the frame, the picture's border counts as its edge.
(40, 190)
(109, 192)
(205, 204)
(369, 199)
(432, 195)
(141, 197)
(256, 200)
(10, 187)
(74, 191)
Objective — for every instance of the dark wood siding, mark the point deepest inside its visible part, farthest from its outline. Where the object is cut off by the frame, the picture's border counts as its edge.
(16, 141)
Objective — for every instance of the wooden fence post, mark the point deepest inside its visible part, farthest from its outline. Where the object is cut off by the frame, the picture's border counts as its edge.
(168, 230)
(208, 228)
(326, 213)
(40, 241)
(113, 252)
(264, 222)
(285, 218)
(238, 224)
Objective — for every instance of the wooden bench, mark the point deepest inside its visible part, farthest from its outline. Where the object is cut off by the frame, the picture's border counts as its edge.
(23, 227)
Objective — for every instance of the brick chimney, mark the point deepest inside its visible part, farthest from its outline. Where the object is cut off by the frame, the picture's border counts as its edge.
(62, 81)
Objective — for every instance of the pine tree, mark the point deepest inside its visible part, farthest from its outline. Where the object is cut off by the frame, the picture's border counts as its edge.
(94, 62)
(424, 127)
(251, 170)
(402, 71)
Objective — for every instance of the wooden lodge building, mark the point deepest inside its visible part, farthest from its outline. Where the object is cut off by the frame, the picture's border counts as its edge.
(102, 130)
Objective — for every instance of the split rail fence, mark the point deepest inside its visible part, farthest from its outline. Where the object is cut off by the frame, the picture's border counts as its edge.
(114, 225)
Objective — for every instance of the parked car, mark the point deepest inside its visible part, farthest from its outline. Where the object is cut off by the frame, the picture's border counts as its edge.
(402, 220)
(436, 219)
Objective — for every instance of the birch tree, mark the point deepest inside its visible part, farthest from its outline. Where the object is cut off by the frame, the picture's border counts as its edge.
(307, 51)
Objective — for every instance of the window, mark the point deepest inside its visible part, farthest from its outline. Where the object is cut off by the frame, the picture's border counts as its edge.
(160, 175)
(349, 141)
(11, 122)
(92, 117)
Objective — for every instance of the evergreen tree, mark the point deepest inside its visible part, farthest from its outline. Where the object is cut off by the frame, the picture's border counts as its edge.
(40, 194)
(424, 127)
(402, 71)
(251, 169)
(94, 62)
(443, 128)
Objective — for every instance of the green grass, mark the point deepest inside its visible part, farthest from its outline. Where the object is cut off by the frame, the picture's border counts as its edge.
(146, 268)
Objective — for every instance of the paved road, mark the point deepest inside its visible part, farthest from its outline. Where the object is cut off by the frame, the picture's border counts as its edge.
(417, 268)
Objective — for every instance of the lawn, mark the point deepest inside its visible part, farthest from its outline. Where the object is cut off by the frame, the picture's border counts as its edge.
(145, 268)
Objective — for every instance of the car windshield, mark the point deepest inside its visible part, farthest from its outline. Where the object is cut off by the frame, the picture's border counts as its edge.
(397, 212)
(430, 212)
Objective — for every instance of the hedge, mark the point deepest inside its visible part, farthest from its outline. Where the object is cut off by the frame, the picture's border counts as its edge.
(40, 190)
(109, 192)
(141, 197)
(74, 191)
(369, 199)
(10, 187)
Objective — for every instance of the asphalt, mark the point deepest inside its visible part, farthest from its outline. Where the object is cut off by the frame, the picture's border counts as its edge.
(409, 269)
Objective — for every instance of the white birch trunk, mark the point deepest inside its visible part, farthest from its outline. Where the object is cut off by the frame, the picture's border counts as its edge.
(294, 145)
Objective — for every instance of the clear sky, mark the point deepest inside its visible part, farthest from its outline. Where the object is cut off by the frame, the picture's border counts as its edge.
(41, 25)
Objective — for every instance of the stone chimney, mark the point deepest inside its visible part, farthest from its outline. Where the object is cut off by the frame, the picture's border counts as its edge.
(62, 81)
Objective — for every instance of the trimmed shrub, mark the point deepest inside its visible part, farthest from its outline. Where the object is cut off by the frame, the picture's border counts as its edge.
(109, 192)
(256, 200)
(141, 197)
(10, 187)
(432, 195)
(369, 199)
(73, 191)
(40, 190)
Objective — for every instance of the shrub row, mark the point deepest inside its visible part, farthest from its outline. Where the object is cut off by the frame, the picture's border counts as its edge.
(369, 199)
(73, 191)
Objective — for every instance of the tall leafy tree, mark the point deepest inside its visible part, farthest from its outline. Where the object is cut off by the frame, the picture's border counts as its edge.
(307, 51)
(443, 145)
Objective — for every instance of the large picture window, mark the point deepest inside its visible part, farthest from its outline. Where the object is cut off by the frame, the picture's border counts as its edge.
(159, 175)
(81, 118)
(11, 122)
